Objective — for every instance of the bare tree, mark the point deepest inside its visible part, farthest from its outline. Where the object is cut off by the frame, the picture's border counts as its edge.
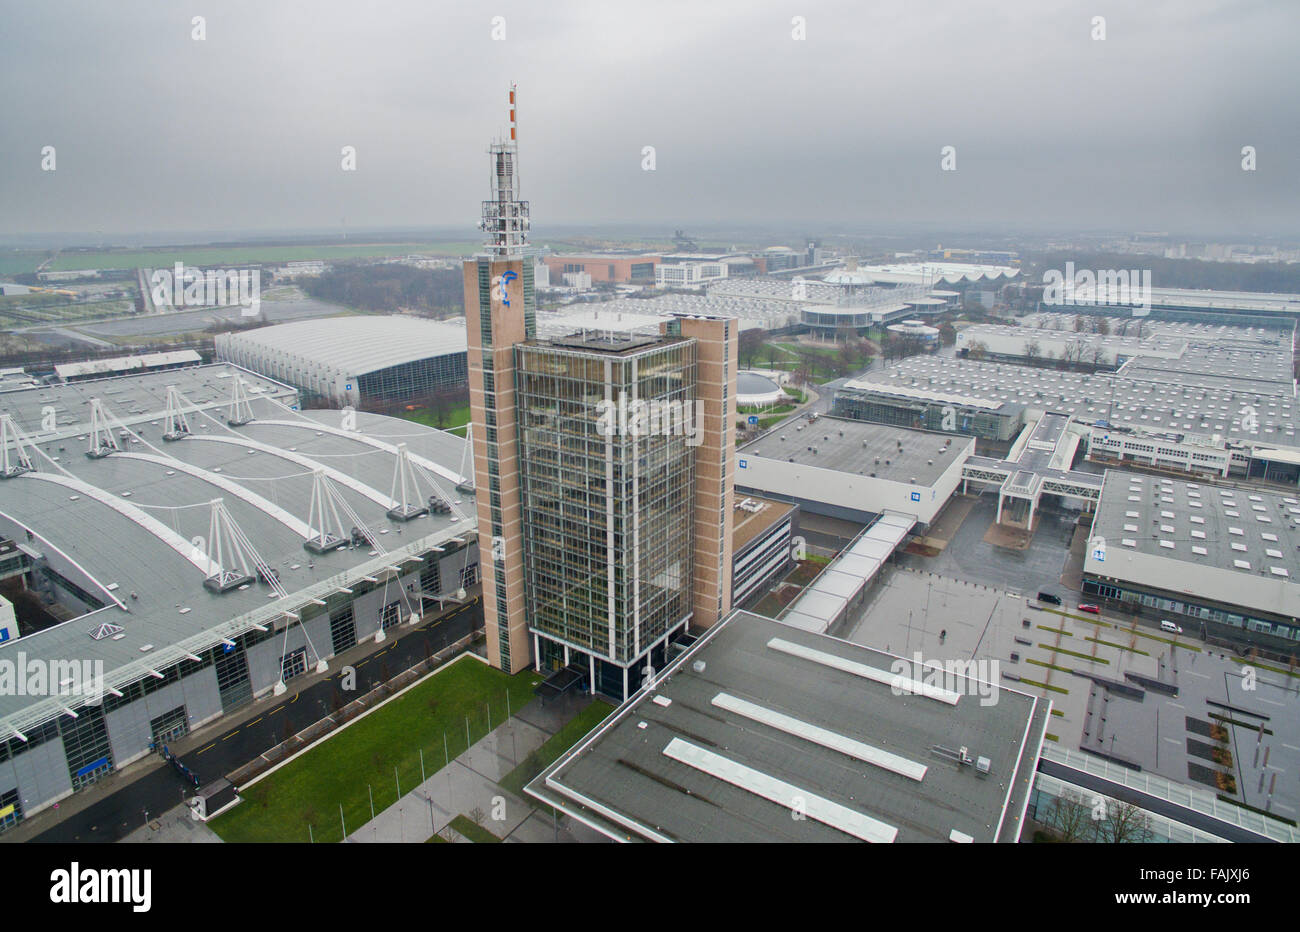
(1069, 816)
(1125, 823)
(750, 342)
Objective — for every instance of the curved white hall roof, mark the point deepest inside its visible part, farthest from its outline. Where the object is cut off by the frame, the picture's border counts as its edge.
(359, 344)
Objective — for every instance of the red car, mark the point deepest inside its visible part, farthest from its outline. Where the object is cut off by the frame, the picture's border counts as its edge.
(1090, 609)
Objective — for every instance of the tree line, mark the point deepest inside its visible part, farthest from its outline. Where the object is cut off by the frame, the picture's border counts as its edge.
(389, 286)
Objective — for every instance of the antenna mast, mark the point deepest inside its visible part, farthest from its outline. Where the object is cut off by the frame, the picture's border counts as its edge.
(505, 216)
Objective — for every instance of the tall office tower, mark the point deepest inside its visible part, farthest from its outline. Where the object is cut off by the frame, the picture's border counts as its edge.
(607, 426)
(602, 471)
(624, 446)
(500, 309)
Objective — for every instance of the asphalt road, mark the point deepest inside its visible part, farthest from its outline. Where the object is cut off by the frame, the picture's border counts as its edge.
(116, 816)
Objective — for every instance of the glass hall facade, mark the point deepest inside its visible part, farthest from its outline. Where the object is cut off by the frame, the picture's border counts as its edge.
(607, 427)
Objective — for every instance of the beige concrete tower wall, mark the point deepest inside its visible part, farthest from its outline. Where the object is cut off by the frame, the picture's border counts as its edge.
(501, 559)
(715, 380)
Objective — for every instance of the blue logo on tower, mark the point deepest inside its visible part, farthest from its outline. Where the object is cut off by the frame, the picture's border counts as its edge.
(503, 283)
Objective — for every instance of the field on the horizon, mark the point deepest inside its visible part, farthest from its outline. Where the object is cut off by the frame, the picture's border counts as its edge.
(16, 262)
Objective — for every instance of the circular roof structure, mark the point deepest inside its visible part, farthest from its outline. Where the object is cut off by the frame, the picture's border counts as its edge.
(753, 388)
(914, 328)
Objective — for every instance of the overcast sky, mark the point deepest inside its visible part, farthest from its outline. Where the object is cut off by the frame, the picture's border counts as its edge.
(1052, 129)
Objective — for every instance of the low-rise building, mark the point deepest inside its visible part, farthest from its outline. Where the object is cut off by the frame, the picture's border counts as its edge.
(1217, 561)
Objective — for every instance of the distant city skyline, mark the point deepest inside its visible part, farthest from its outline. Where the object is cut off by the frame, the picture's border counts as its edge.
(244, 130)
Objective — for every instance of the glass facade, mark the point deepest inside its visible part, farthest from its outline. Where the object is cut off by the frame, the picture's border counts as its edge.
(414, 379)
(1216, 613)
(999, 425)
(607, 501)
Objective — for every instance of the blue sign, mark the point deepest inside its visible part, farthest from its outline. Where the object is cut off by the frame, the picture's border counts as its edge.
(744, 463)
(753, 420)
(916, 496)
(348, 387)
(92, 766)
(507, 277)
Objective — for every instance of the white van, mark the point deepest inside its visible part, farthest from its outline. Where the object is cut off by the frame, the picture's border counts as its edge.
(1170, 626)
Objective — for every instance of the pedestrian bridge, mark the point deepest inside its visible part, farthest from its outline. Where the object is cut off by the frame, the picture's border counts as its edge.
(1037, 464)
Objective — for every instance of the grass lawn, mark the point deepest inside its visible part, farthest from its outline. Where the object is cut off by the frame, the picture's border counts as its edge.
(473, 831)
(453, 423)
(309, 790)
(577, 728)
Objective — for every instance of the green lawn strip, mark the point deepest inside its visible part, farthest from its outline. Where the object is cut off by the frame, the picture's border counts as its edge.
(1117, 646)
(1051, 737)
(1055, 630)
(1074, 653)
(1096, 620)
(1264, 812)
(456, 417)
(1232, 721)
(435, 839)
(1050, 666)
(1055, 689)
(573, 731)
(1058, 712)
(1183, 644)
(474, 832)
(1090, 619)
(1270, 669)
(361, 757)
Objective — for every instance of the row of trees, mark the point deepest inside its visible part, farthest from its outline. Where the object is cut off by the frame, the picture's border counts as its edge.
(1181, 273)
(389, 286)
(1074, 353)
(1071, 818)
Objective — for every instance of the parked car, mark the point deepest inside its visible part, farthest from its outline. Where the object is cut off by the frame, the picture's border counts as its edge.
(1170, 626)
(1090, 609)
(1049, 598)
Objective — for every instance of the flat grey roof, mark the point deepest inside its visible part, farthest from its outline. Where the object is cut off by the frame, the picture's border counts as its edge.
(139, 395)
(1205, 394)
(853, 446)
(747, 525)
(773, 725)
(605, 341)
(1250, 532)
